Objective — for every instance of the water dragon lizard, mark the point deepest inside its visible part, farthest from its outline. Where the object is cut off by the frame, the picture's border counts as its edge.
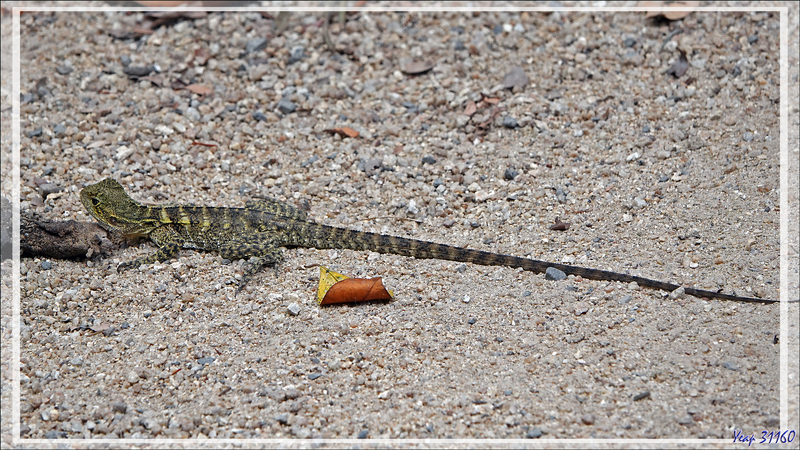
(261, 227)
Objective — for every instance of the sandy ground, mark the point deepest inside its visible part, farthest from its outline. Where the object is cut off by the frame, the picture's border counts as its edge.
(675, 179)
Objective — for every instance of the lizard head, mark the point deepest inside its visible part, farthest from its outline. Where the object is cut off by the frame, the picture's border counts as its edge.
(108, 203)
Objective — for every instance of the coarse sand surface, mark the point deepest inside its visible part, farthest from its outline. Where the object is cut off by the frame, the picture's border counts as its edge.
(657, 140)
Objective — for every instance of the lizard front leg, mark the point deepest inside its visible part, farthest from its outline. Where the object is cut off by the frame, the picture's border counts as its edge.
(167, 251)
(169, 244)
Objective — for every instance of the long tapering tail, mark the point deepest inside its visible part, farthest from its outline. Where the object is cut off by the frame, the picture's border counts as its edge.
(314, 235)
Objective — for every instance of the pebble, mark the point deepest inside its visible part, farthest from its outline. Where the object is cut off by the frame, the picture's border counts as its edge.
(533, 433)
(677, 293)
(52, 434)
(120, 407)
(293, 308)
(516, 77)
(192, 114)
(561, 196)
(286, 106)
(132, 377)
(510, 122)
(138, 71)
(206, 360)
(554, 274)
(259, 116)
(587, 419)
(510, 173)
(257, 72)
(46, 264)
(256, 44)
(730, 365)
(297, 54)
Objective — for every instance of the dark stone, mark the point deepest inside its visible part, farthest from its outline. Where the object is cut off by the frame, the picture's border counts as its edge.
(286, 106)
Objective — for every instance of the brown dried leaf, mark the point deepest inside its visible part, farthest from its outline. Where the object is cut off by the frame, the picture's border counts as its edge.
(201, 56)
(200, 89)
(559, 225)
(120, 33)
(670, 14)
(178, 84)
(158, 80)
(470, 109)
(680, 66)
(356, 290)
(343, 132)
(99, 328)
(418, 67)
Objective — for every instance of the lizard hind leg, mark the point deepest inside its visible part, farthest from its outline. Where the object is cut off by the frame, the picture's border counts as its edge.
(270, 258)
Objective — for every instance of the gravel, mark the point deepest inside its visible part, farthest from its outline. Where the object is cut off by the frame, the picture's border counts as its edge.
(463, 351)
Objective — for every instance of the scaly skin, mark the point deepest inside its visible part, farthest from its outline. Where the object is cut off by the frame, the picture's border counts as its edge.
(262, 227)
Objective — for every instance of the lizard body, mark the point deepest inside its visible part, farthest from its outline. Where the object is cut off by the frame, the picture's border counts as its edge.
(263, 226)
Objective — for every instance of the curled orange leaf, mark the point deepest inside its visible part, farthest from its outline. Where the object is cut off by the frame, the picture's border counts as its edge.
(343, 132)
(356, 290)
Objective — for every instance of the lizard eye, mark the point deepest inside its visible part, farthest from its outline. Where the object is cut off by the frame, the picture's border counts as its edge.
(95, 201)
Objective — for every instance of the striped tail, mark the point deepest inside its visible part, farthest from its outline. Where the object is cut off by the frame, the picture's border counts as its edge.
(312, 235)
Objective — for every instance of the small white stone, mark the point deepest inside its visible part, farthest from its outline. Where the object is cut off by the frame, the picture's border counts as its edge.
(294, 309)
(132, 377)
(677, 293)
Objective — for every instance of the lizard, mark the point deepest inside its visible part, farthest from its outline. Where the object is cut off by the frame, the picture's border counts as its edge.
(261, 227)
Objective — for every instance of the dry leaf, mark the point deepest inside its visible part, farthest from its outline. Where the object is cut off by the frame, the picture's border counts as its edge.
(201, 56)
(418, 67)
(470, 109)
(178, 84)
(337, 288)
(99, 328)
(680, 66)
(200, 89)
(203, 144)
(356, 290)
(671, 14)
(343, 132)
(559, 225)
(158, 80)
(327, 278)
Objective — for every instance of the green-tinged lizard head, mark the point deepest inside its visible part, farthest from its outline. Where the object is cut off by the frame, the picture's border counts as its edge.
(108, 203)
